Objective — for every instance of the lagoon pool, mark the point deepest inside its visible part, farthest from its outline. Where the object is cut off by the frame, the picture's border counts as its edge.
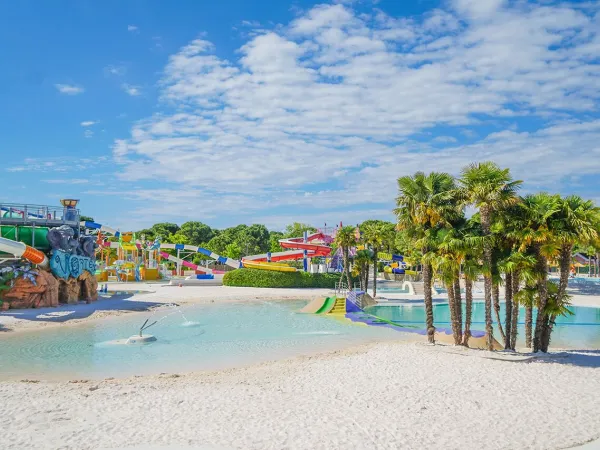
(208, 337)
(579, 331)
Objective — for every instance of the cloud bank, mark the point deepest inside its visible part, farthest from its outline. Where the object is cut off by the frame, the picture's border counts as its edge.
(329, 110)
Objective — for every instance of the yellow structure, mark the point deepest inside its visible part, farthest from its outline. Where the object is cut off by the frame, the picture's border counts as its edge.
(339, 307)
(268, 266)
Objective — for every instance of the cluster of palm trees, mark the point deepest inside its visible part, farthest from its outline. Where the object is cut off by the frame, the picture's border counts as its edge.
(371, 237)
(509, 240)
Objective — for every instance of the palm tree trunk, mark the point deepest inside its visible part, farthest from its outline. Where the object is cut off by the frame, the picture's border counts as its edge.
(565, 264)
(509, 307)
(367, 279)
(515, 311)
(541, 322)
(528, 325)
(458, 302)
(453, 316)
(428, 303)
(468, 310)
(375, 272)
(496, 296)
(347, 267)
(487, 277)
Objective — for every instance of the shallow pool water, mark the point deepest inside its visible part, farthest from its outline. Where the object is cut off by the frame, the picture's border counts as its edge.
(579, 331)
(207, 337)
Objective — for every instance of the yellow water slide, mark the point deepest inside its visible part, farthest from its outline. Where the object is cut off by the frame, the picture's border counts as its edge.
(268, 266)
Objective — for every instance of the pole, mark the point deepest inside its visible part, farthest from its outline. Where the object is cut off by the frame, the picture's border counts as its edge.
(305, 238)
(268, 256)
(178, 263)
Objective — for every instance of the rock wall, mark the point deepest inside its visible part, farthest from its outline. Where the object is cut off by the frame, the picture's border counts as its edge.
(24, 294)
(50, 291)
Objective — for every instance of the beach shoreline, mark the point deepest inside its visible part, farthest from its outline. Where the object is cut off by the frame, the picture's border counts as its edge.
(417, 396)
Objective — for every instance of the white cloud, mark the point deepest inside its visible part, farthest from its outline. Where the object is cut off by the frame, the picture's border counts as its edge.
(478, 9)
(132, 28)
(67, 181)
(335, 98)
(88, 134)
(132, 90)
(88, 123)
(115, 70)
(69, 89)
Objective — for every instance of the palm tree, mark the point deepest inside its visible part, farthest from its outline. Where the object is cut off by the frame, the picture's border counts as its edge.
(577, 221)
(345, 238)
(377, 235)
(424, 204)
(471, 271)
(447, 264)
(362, 260)
(489, 188)
(538, 233)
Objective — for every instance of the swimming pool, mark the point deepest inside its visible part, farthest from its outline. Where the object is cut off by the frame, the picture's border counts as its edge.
(579, 331)
(208, 337)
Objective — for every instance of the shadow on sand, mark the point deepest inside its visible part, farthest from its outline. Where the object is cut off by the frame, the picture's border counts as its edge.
(579, 358)
(82, 310)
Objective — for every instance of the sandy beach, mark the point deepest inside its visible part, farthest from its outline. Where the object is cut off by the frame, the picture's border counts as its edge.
(382, 395)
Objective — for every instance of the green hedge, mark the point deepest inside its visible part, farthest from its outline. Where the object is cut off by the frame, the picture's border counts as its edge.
(272, 279)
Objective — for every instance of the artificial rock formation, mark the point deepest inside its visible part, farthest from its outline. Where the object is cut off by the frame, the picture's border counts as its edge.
(50, 291)
(88, 287)
(68, 291)
(25, 294)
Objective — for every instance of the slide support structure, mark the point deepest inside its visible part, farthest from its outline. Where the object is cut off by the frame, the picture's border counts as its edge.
(305, 239)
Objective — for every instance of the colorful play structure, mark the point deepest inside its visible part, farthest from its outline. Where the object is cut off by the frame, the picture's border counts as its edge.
(138, 260)
(49, 238)
(395, 263)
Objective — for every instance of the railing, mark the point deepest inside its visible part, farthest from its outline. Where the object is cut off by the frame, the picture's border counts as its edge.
(28, 213)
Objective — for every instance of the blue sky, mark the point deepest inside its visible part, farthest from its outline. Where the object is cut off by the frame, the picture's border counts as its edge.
(270, 112)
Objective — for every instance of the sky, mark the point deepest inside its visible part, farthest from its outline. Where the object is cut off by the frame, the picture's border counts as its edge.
(277, 111)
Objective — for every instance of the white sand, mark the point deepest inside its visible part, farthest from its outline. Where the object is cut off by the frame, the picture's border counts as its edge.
(386, 395)
(380, 396)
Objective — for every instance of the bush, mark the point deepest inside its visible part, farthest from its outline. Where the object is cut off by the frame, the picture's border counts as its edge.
(272, 279)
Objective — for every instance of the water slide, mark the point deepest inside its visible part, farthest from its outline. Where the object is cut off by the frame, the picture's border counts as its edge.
(319, 306)
(268, 266)
(312, 250)
(97, 226)
(185, 263)
(21, 250)
(191, 248)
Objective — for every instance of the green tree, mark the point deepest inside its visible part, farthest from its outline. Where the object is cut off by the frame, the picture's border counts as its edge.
(196, 233)
(297, 229)
(165, 230)
(362, 260)
(345, 239)
(424, 204)
(490, 189)
(576, 222)
(538, 234)
(378, 236)
(86, 218)
(233, 251)
(274, 237)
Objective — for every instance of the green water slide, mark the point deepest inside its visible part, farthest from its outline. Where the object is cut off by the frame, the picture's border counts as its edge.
(327, 306)
(35, 237)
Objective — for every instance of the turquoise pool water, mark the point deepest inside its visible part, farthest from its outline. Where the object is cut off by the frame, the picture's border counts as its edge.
(209, 337)
(579, 331)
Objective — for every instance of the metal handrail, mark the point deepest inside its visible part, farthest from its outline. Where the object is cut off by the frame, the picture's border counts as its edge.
(30, 213)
